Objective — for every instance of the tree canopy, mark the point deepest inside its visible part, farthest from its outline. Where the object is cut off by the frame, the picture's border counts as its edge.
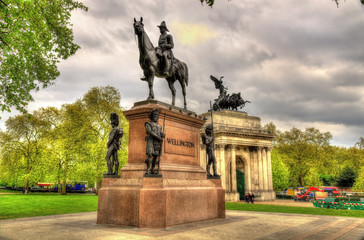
(34, 36)
(306, 158)
(61, 145)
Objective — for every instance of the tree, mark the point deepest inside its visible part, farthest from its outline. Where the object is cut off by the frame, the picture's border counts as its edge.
(100, 102)
(22, 147)
(280, 172)
(347, 177)
(302, 151)
(359, 182)
(360, 143)
(34, 36)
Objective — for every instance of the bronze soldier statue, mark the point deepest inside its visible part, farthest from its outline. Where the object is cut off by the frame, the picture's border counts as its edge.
(164, 49)
(154, 140)
(209, 141)
(113, 145)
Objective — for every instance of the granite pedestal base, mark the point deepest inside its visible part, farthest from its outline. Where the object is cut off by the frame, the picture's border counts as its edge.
(158, 202)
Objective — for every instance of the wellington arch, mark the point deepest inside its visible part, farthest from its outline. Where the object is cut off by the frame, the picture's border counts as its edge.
(243, 154)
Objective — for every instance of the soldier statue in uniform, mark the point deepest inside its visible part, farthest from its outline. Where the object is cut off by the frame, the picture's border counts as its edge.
(164, 49)
(154, 140)
(209, 141)
(113, 145)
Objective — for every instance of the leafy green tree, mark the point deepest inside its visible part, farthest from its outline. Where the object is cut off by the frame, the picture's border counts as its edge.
(328, 179)
(302, 151)
(280, 172)
(34, 36)
(100, 102)
(359, 182)
(360, 143)
(22, 147)
(347, 177)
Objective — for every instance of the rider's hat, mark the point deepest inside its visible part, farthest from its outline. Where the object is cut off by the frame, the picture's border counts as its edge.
(163, 25)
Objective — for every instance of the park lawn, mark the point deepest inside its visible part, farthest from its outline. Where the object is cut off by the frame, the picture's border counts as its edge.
(290, 209)
(31, 205)
(10, 191)
(42, 204)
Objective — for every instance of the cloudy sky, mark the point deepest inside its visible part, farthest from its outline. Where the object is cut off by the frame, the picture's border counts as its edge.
(300, 63)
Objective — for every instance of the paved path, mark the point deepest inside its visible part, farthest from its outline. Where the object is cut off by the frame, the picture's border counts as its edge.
(236, 225)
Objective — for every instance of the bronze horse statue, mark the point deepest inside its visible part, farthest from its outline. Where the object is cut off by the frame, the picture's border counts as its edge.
(151, 65)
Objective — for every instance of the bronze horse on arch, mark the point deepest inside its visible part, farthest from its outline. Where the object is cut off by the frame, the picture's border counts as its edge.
(151, 65)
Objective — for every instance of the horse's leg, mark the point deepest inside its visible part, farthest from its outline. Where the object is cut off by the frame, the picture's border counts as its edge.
(183, 86)
(173, 90)
(150, 79)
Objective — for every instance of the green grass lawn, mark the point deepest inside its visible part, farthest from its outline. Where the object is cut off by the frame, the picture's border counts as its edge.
(42, 204)
(10, 191)
(289, 209)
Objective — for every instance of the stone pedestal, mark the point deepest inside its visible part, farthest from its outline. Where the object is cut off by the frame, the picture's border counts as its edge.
(182, 195)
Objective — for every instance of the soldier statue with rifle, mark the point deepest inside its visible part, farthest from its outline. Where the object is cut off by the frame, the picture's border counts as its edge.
(209, 141)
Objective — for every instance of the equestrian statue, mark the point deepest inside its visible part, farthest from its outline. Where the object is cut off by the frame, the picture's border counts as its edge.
(160, 61)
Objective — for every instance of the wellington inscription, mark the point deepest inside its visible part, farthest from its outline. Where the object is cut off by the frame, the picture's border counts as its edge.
(182, 143)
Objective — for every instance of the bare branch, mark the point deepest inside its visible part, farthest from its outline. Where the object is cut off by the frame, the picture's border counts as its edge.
(4, 3)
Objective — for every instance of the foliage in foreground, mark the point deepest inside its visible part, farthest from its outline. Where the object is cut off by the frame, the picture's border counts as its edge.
(34, 37)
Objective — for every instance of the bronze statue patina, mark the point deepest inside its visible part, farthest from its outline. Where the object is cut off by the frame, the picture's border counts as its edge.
(154, 140)
(224, 100)
(209, 141)
(113, 145)
(160, 61)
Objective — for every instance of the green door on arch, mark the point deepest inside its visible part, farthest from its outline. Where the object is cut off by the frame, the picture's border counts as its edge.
(240, 183)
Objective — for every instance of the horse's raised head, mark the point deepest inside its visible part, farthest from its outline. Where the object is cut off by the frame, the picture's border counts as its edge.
(138, 26)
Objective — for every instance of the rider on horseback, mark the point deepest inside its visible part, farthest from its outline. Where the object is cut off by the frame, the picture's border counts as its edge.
(164, 49)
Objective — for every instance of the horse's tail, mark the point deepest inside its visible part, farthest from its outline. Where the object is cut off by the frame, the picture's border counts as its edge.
(182, 71)
(185, 73)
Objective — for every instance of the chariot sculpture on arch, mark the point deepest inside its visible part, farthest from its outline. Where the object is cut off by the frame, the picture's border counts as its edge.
(160, 61)
(225, 100)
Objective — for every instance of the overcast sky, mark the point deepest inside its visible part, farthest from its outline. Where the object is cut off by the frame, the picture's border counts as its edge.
(300, 63)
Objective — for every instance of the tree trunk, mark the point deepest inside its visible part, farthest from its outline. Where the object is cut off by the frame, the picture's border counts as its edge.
(27, 186)
(59, 178)
(302, 180)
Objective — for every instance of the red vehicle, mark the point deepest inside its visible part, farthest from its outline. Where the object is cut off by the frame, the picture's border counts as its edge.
(305, 196)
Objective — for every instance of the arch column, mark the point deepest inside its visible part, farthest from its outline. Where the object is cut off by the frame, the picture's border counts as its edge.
(221, 160)
(269, 161)
(260, 170)
(265, 169)
(233, 168)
